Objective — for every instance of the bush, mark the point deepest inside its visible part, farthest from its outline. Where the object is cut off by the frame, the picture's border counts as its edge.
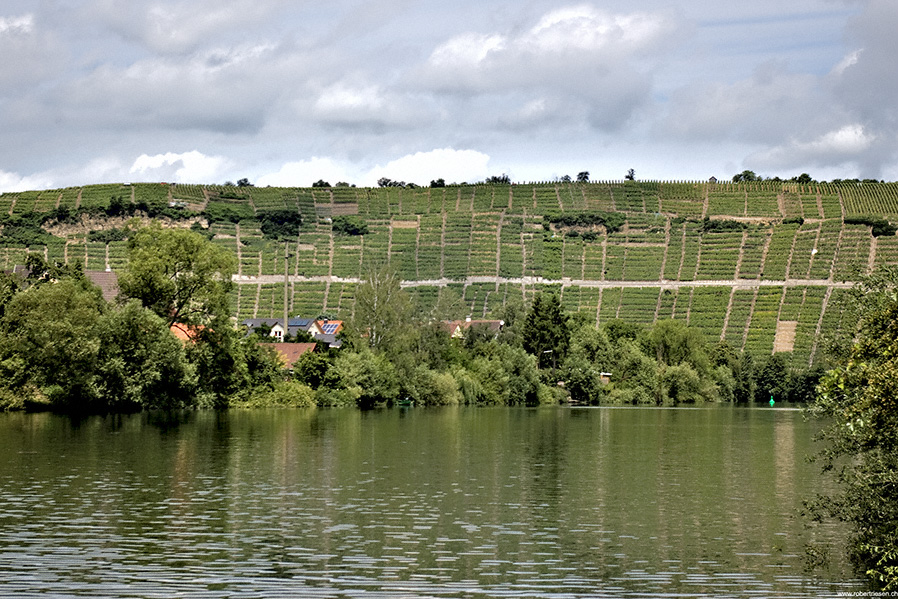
(612, 221)
(280, 224)
(349, 225)
(880, 227)
(286, 394)
(722, 226)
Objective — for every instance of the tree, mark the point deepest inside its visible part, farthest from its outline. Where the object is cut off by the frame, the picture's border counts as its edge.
(566, 179)
(323, 183)
(546, 333)
(382, 308)
(280, 224)
(438, 183)
(178, 274)
(859, 400)
(745, 175)
(583, 177)
(502, 179)
(141, 365)
(49, 343)
(631, 175)
(244, 183)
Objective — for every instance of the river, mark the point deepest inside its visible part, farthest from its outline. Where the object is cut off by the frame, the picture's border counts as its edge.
(413, 503)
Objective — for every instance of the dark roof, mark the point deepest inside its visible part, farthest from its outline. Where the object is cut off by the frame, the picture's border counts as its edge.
(331, 340)
(106, 280)
(255, 323)
(302, 323)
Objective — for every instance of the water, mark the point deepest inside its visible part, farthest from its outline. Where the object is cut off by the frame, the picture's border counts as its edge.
(544, 503)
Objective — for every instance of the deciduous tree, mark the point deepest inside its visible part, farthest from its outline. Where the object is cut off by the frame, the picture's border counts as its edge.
(178, 274)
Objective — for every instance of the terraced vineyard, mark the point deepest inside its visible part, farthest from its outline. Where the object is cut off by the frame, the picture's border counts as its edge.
(769, 281)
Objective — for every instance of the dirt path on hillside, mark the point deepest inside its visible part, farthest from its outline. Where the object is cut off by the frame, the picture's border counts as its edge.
(593, 284)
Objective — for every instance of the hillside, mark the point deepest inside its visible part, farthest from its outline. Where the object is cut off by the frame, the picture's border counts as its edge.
(766, 268)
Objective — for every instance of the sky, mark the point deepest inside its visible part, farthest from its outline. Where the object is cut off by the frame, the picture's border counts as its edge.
(287, 92)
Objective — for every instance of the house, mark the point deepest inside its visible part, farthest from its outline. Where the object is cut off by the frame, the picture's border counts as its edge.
(290, 352)
(275, 326)
(457, 328)
(106, 280)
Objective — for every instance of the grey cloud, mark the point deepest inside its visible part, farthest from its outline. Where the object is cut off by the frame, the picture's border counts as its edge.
(177, 27)
(31, 52)
(762, 108)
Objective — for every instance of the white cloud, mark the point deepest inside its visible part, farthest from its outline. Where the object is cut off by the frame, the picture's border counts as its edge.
(454, 166)
(188, 167)
(565, 46)
(303, 173)
(22, 24)
(10, 182)
(840, 146)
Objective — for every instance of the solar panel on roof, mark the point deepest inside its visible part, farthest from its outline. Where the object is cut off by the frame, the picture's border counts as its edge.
(329, 329)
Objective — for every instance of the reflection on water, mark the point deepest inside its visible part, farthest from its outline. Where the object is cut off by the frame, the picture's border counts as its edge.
(411, 503)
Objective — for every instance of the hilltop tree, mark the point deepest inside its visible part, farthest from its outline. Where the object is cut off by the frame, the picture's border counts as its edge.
(438, 183)
(583, 177)
(502, 179)
(745, 176)
(322, 183)
(244, 183)
(631, 175)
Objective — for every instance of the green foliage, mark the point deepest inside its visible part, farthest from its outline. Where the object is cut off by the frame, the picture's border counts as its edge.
(612, 221)
(349, 225)
(280, 224)
(232, 212)
(382, 309)
(108, 235)
(859, 399)
(178, 274)
(369, 377)
(141, 365)
(285, 394)
(722, 225)
(545, 333)
(49, 343)
(879, 226)
(23, 230)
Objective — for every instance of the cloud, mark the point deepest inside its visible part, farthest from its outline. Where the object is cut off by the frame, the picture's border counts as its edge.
(760, 108)
(187, 167)
(453, 166)
(29, 53)
(303, 173)
(564, 47)
(11, 182)
(356, 104)
(838, 147)
(591, 62)
(169, 27)
(222, 89)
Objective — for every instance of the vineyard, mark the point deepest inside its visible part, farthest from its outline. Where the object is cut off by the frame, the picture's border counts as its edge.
(751, 263)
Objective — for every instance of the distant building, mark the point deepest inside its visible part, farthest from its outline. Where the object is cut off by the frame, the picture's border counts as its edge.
(106, 280)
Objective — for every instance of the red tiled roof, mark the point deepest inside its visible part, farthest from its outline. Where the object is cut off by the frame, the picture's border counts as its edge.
(290, 352)
(184, 332)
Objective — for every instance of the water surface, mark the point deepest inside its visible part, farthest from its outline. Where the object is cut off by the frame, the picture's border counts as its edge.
(412, 503)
